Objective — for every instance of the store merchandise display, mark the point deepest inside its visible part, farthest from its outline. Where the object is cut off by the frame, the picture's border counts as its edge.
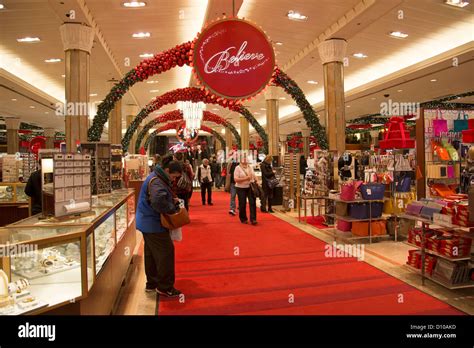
(29, 165)
(136, 167)
(66, 184)
(292, 180)
(104, 242)
(49, 261)
(11, 168)
(100, 166)
(121, 221)
(116, 153)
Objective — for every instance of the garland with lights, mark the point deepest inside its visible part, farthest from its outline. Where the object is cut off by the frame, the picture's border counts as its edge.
(443, 102)
(177, 115)
(188, 94)
(290, 87)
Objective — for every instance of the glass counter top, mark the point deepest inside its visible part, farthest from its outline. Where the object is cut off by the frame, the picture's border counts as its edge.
(112, 199)
(20, 234)
(86, 219)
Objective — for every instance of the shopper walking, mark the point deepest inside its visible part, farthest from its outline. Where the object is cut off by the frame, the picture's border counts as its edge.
(205, 179)
(216, 172)
(267, 176)
(156, 198)
(230, 184)
(183, 186)
(243, 176)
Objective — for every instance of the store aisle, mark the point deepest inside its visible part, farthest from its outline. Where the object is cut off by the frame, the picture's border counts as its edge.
(224, 267)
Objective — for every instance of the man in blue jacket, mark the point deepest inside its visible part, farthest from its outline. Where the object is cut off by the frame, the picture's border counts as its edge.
(156, 197)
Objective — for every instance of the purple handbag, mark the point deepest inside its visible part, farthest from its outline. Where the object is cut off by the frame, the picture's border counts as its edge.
(414, 208)
(372, 191)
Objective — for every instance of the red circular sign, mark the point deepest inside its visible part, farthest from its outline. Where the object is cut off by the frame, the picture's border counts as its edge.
(233, 59)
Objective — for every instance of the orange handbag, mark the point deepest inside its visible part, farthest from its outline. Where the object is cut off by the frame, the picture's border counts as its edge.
(361, 229)
(440, 151)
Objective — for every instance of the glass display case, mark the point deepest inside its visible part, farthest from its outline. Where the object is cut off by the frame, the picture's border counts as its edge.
(131, 209)
(21, 196)
(43, 266)
(59, 261)
(7, 193)
(104, 241)
(121, 221)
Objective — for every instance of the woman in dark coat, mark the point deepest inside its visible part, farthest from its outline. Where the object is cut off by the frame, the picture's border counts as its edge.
(267, 175)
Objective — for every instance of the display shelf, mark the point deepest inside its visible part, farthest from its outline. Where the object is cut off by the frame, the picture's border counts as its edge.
(431, 252)
(360, 200)
(350, 236)
(349, 219)
(446, 285)
(437, 225)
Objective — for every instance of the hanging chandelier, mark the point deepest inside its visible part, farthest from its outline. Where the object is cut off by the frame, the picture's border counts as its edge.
(192, 113)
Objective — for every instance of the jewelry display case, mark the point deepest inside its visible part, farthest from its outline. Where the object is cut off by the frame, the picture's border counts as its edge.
(13, 193)
(13, 202)
(70, 263)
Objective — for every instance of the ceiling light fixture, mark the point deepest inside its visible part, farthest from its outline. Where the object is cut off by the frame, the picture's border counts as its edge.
(282, 98)
(312, 82)
(215, 109)
(13, 99)
(146, 55)
(2, 6)
(32, 107)
(29, 39)
(53, 60)
(433, 80)
(154, 90)
(359, 55)
(152, 82)
(457, 3)
(296, 16)
(134, 4)
(46, 112)
(348, 106)
(141, 35)
(398, 34)
(93, 95)
(278, 43)
(192, 113)
(63, 75)
(263, 109)
(400, 90)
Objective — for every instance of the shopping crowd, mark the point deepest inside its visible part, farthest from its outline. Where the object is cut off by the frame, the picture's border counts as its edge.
(164, 201)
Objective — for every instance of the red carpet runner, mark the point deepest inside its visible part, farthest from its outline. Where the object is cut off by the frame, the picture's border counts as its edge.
(226, 268)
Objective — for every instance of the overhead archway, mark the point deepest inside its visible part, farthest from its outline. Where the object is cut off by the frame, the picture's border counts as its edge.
(177, 115)
(181, 55)
(175, 125)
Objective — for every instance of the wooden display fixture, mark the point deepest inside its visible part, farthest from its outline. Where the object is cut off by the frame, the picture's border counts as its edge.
(100, 166)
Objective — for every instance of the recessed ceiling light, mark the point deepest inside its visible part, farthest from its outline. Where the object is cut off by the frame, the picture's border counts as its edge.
(348, 106)
(152, 82)
(457, 3)
(46, 112)
(141, 35)
(278, 43)
(93, 95)
(263, 109)
(63, 75)
(146, 55)
(29, 39)
(373, 98)
(134, 4)
(13, 99)
(296, 16)
(398, 34)
(154, 90)
(359, 55)
(399, 90)
(282, 98)
(53, 60)
(32, 107)
(312, 82)
(2, 6)
(433, 80)
(215, 109)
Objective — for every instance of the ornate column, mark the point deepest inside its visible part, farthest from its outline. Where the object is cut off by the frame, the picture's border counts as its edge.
(306, 132)
(13, 140)
(332, 53)
(77, 42)
(130, 112)
(115, 120)
(49, 134)
(273, 121)
(244, 133)
(229, 140)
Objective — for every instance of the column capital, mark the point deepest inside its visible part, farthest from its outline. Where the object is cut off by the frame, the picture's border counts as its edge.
(49, 132)
(76, 36)
(332, 50)
(283, 137)
(12, 123)
(272, 92)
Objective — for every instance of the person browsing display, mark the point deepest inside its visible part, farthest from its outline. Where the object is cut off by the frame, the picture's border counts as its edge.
(243, 176)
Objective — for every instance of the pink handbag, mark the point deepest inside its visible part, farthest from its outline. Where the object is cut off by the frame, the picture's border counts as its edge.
(348, 192)
(344, 226)
(439, 125)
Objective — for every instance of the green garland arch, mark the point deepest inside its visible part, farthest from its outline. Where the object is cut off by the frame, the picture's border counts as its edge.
(176, 115)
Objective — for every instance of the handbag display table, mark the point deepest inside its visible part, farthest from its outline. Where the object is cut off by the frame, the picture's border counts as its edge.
(301, 200)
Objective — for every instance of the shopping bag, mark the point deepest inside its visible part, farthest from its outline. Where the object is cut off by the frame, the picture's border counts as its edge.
(176, 234)
(439, 125)
(461, 123)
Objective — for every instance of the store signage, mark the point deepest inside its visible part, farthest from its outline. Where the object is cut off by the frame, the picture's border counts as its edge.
(233, 59)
